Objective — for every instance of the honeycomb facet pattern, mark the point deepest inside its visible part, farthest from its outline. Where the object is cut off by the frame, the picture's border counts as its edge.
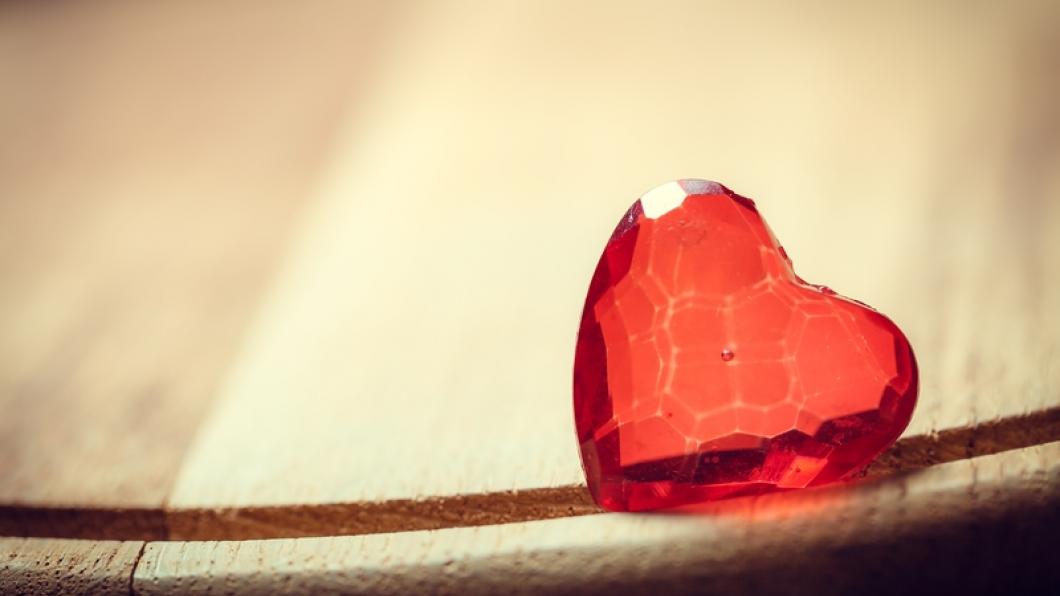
(705, 368)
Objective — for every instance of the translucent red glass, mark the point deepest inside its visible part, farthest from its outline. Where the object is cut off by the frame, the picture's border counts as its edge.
(705, 368)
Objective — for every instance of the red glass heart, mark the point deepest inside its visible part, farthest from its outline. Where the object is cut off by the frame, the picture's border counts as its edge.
(705, 368)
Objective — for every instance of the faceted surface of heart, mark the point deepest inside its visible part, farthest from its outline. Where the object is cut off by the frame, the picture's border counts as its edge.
(705, 368)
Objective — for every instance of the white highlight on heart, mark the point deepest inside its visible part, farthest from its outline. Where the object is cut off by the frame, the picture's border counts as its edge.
(662, 199)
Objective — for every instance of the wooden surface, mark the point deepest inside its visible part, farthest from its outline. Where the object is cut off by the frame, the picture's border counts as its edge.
(959, 523)
(138, 228)
(317, 271)
(980, 526)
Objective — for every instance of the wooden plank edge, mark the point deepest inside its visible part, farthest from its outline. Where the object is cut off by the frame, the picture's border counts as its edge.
(61, 566)
(349, 519)
(976, 526)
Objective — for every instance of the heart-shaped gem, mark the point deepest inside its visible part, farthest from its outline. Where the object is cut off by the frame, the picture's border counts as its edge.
(705, 368)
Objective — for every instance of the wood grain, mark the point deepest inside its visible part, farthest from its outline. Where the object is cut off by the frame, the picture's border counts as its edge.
(42, 566)
(415, 350)
(979, 526)
(408, 368)
(153, 160)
